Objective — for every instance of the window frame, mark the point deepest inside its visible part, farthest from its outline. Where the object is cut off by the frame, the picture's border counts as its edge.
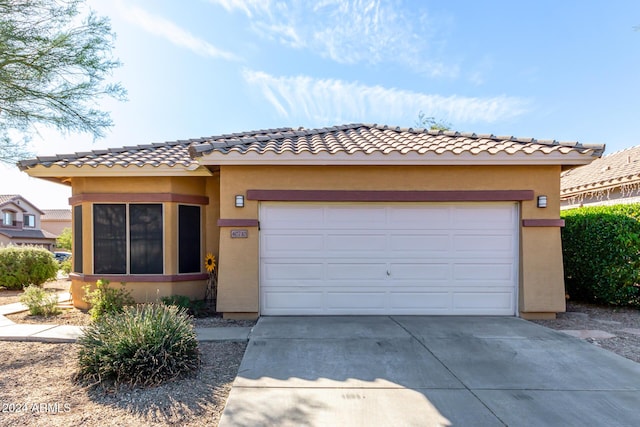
(200, 239)
(25, 223)
(128, 238)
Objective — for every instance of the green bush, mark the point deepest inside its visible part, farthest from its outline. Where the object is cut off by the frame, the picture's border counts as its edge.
(39, 301)
(601, 252)
(21, 266)
(106, 300)
(195, 308)
(144, 345)
(65, 266)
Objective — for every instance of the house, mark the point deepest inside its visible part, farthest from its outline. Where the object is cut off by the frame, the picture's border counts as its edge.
(351, 219)
(610, 180)
(21, 224)
(54, 221)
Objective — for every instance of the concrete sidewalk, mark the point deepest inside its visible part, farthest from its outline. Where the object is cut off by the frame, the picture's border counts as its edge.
(10, 331)
(427, 371)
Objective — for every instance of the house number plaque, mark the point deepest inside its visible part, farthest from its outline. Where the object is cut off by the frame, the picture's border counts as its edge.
(239, 234)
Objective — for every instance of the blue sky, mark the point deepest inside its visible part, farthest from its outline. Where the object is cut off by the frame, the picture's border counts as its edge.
(566, 70)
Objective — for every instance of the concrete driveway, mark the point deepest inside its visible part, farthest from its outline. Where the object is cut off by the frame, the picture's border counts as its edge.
(427, 371)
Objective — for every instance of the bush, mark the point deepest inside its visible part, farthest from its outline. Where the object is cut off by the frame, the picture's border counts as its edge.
(106, 300)
(21, 266)
(142, 346)
(601, 252)
(194, 308)
(65, 266)
(39, 301)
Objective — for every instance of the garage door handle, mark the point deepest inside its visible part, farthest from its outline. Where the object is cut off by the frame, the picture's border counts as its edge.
(388, 273)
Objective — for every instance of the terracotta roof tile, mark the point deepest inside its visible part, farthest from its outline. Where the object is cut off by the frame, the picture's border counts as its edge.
(346, 139)
(619, 168)
(56, 215)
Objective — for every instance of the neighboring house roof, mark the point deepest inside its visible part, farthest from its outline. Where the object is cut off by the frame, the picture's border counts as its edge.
(14, 199)
(56, 215)
(27, 234)
(357, 143)
(618, 169)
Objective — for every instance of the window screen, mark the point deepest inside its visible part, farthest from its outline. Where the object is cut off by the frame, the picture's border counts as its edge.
(109, 239)
(77, 239)
(189, 239)
(145, 239)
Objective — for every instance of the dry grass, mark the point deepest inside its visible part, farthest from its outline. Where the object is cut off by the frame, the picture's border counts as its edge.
(37, 378)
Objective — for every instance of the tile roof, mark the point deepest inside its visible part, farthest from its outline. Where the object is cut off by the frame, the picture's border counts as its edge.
(369, 139)
(345, 139)
(619, 168)
(56, 215)
(4, 198)
(27, 234)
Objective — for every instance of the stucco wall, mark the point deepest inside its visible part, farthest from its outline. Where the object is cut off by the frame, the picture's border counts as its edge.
(144, 291)
(541, 287)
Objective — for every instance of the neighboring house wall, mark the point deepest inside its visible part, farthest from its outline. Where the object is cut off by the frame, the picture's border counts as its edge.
(55, 221)
(20, 224)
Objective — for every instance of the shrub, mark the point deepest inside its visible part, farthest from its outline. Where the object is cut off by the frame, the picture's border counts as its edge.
(106, 300)
(195, 308)
(39, 301)
(65, 266)
(144, 345)
(601, 252)
(21, 266)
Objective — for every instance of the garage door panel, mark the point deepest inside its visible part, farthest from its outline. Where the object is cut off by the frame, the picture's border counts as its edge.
(421, 272)
(388, 258)
(355, 302)
(477, 302)
(356, 242)
(356, 271)
(283, 301)
(293, 271)
(352, 217)
(489, 242)
(278, 244)
(480, 272)
(292, 216)
(418, 218)
(423, 243)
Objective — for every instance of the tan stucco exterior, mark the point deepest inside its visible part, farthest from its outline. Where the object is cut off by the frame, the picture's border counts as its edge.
(131, 190)
(541, 285)
(541, 281)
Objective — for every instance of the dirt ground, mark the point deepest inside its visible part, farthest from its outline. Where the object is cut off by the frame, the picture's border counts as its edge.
(37, 388)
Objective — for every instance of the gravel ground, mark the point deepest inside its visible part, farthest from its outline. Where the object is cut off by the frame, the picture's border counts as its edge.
(624, 323)
(37, 388)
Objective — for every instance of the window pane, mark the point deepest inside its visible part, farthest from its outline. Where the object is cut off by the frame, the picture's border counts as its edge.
(77, 239)
(109, 239)
(29, 221)
(145, 237)
(189, 239)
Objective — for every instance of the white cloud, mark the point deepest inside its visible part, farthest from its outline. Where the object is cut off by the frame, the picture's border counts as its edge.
(168, 30)
(350, 31)
(330, 101)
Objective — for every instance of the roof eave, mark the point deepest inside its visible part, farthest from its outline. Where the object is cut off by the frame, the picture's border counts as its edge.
(252, 158)
(60, 173)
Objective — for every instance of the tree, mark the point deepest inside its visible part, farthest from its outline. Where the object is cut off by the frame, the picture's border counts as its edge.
(54, 61)
(64, 239)
(429, 122)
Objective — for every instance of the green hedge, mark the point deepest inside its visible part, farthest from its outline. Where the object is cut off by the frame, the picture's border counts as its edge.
(601, 252)
(21, 266)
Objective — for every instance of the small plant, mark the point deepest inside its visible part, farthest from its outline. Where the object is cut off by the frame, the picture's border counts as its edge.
(65, 266)
(106, 300)
(145, 345)
(40, 302)
(182, 301)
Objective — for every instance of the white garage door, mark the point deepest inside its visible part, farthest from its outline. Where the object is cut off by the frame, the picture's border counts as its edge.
(388, 258)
